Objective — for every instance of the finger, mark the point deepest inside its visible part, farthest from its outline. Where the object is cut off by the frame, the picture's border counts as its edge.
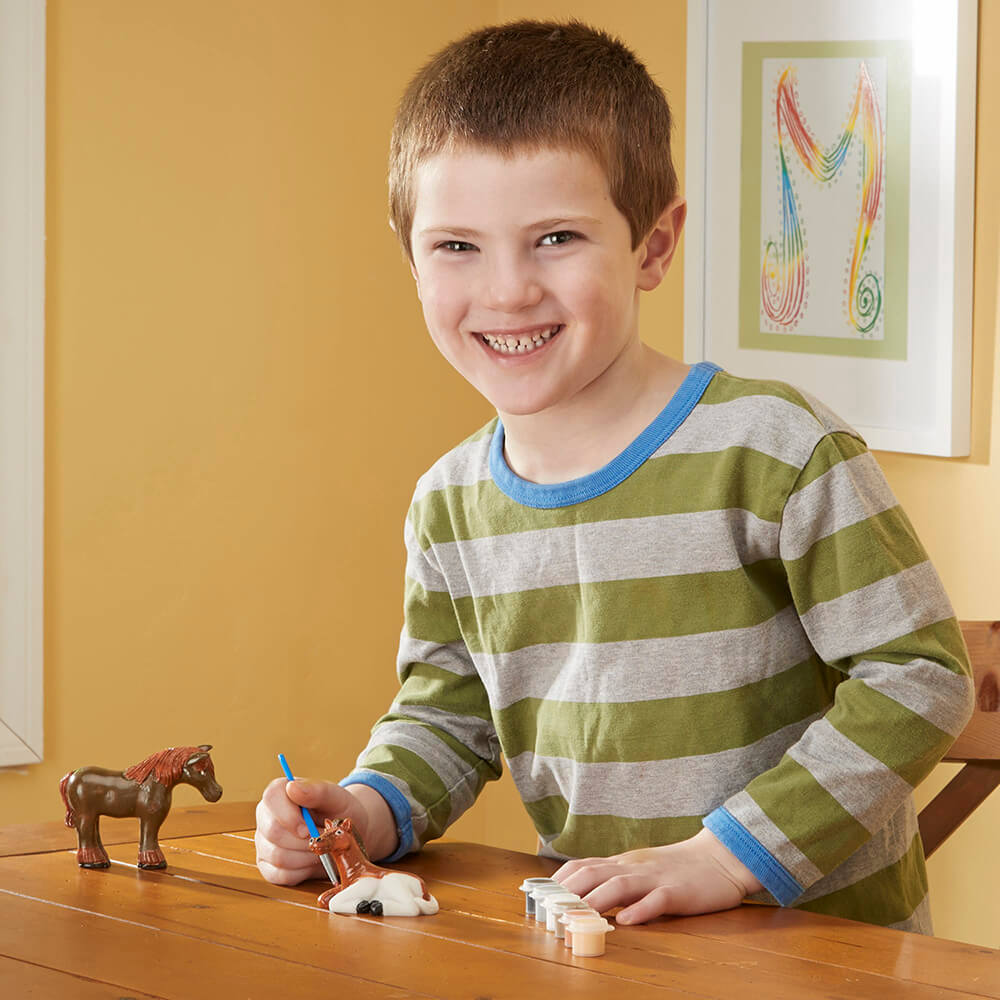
(295, 865)
(620, 890)
(281, 824)
(574, 866)
(595, 873)
(275, 807)
(662, 900)
(323, 799)
(284, 876)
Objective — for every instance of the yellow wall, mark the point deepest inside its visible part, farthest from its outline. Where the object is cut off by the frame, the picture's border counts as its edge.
(235, 362)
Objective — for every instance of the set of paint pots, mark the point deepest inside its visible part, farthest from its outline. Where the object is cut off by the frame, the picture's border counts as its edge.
(564, 914)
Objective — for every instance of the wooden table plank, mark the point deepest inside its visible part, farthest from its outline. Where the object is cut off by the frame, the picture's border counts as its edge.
(681, 961)
(486, 919)
(429, 956)
(213, 900)
(37, 838)
(848, 943)
(26, 981)
(174, 965)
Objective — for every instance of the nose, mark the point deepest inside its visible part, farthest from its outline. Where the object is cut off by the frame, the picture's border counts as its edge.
(511, 284)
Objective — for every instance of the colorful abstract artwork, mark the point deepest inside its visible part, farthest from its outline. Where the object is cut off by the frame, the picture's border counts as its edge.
(824, 199)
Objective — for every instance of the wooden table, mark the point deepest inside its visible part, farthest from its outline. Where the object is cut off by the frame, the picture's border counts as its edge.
(209, 926)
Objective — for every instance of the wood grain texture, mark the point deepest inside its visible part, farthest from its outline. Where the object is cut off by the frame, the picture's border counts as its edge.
(24, 981)
(980, 740)
(210, 926)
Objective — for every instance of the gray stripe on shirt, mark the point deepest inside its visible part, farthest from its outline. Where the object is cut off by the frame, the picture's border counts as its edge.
(847, 494)
(656, 789)
(879, 612)
(465, 465)
(453, 656)
(784, 430)
(946, 702)
(648, 669)
(636, 548)
(861, 783)
(475, 733)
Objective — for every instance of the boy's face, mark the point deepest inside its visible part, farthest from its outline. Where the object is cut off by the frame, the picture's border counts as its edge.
(526, 274)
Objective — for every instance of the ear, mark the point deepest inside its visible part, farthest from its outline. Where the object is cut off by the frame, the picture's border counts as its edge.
(205, 746)
(659, 246)
(416, 277)
(194, 758)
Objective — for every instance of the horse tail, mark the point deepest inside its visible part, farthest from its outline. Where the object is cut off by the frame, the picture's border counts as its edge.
(70, 815)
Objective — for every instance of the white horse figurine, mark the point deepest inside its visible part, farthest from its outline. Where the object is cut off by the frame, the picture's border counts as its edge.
(397, 894)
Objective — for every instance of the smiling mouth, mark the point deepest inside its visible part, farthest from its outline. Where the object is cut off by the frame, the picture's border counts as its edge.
(524, 343)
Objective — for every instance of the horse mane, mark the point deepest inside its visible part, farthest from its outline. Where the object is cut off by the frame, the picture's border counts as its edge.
(166, 765)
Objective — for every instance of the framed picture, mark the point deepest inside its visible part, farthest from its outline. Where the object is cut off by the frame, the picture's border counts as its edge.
(830, 172)
(22, 376)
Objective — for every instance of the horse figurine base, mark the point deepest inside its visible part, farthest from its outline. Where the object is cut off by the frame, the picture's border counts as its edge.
(144, 790)
(364, 886)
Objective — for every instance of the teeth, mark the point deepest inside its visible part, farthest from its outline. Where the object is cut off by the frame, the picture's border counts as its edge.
(520, 345)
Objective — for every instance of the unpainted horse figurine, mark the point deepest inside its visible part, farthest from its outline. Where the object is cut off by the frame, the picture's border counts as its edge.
(144, 791)
(362, 881)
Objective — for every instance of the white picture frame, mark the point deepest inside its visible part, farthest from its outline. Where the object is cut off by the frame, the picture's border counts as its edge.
(22, 377)
(905, 382)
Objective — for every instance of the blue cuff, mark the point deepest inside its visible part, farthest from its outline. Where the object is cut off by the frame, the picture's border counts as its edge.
(769, 871)
(397, 803)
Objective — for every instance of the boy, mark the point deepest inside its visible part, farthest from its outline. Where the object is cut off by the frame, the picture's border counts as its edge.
(684, 606)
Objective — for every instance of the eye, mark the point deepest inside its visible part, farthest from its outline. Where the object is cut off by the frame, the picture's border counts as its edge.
(557, 239)
(455, 246)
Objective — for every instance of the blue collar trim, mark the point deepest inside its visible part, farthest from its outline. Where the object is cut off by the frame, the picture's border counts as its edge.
(550, 495)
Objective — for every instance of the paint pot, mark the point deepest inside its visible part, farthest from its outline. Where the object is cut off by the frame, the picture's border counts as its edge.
(555, 913)
(526, 887)
(588, 935)
(584, 910)
(541, 894)
(554, 904)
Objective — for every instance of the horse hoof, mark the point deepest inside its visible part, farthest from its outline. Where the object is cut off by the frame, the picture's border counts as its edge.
(94, 864)
(152, 866)
(364, 906)
(376, 908)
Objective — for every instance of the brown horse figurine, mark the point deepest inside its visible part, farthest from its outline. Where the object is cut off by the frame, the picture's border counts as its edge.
(144, 790)
(351, 860)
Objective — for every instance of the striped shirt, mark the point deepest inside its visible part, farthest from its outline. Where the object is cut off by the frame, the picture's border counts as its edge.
(732, 624)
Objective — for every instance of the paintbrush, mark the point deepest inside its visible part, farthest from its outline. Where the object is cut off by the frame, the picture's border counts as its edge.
(313, 832)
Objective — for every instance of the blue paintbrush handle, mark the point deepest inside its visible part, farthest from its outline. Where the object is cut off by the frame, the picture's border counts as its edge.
(313, 832)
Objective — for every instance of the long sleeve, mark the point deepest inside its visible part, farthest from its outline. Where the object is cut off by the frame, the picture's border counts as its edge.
(874, 609)
(436, 748)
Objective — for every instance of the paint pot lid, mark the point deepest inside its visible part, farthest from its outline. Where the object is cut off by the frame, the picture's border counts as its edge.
(588, 925)
(541, 891)
(562, 900)
(533, 883)
(558, 904)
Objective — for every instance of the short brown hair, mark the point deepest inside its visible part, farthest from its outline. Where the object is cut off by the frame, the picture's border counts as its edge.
(532, 85)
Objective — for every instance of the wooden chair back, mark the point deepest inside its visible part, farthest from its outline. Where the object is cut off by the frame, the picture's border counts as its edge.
(977, 746)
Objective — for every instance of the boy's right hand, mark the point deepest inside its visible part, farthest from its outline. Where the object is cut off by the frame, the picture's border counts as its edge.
(282, 838)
